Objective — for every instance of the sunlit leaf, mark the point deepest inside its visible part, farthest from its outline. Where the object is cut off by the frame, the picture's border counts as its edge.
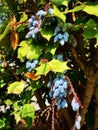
(59, 14)
(8, 102)
(91, 9)
(16, 87)
(46, 33)
(43, 69)
(28, 50)
(58, 66)
(17, 117)
(24, 17)
(28, 110)
(75, 9)
(53, 65)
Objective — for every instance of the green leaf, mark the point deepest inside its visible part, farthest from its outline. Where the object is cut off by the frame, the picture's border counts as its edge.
(2, 123)
(28, 111)
(90, 29)
(58, 66)
(53, 65)
(16, 106)
(17, 117)
(51, 47)
(43, 69)
(24, 17)
(46, 33)
(8, 102)
(28, 122)
(28, 50)
(91, 9)
(16, 87)
(58, 2)
(22, 26)
(59, 14)
(75, 9)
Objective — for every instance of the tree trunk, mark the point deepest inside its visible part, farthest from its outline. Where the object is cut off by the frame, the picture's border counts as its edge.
(89, 90)
(96, 110)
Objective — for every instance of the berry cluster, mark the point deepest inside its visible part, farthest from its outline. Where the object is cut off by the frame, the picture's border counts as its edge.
(31, 65)
(59, 91)
(3, 17)
(36, 21)
(61, 35)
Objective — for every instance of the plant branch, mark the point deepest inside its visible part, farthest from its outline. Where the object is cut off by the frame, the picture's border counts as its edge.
(88, 93)
(96, 110)
(77, 59)
(6, 31)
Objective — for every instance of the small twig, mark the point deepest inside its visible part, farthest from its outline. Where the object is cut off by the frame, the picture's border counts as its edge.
(73, 91)
(80, 63)
(52, 125)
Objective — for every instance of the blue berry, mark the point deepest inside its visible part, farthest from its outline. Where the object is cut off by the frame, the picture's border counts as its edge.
(35, 62)
(56, 93)
(50, 11)
(61, 89)
(62, 42)
(56, 38)
(57, 29)
(60, 36)
(41, 13)
(58, 106)
(60, 57)
(64, 104)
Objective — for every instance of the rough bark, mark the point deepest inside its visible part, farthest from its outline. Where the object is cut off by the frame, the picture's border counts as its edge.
(89, 90)
(96, 110)
(40, 101)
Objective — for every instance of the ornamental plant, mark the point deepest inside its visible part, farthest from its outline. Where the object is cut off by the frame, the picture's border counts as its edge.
(48, 52)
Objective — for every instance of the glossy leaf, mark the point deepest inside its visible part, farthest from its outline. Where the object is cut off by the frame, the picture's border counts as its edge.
(28, 50)
(28, 110)
(91, 9)
(59, 14)
(58, 66)
(90, 29)
(46, 33)
(17, 117)
(24, 17)
(53, 65)
(52, 47)
(43, 69)
(58, 2)
(16, 87)
(75, 9)
(2, 123)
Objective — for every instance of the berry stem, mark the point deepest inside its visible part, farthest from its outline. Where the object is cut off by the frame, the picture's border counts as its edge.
(52, 125)
(73, 91)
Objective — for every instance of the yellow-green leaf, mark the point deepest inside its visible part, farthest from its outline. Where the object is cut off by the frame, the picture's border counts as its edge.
(59, 14)
(53, 65)
(16, 87)
(43, 69)
(28, 110)
(91, 9)
(58, 66)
